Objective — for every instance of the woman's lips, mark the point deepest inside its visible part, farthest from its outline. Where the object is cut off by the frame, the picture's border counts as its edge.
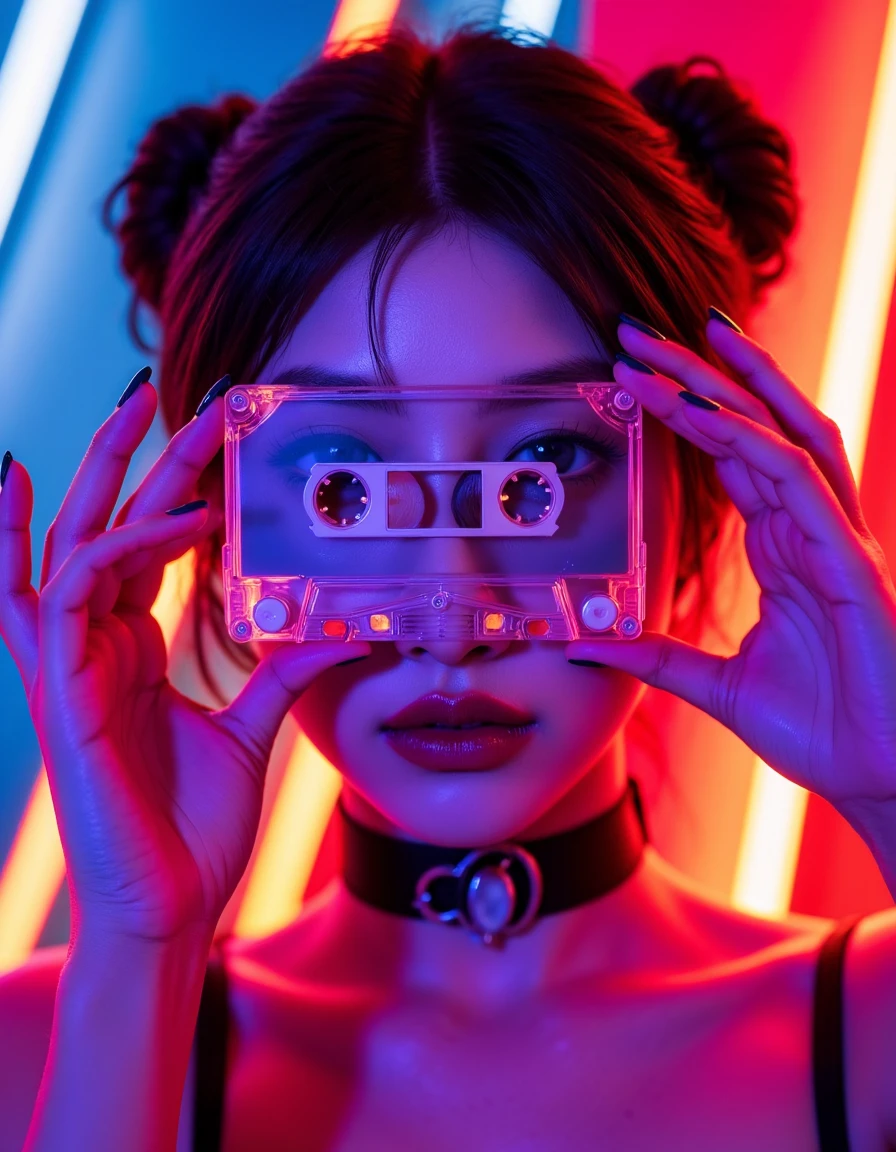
(464, 733)
(459, 749)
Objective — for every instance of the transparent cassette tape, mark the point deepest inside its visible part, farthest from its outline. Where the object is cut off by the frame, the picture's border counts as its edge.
(433, 513)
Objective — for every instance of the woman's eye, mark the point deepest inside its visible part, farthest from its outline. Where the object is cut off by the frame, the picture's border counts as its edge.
(570, 454)
(322, 448)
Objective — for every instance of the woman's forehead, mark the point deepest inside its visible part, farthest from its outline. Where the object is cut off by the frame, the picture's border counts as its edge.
(460, 308)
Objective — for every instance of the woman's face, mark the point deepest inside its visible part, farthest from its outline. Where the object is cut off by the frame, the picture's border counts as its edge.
(470, 309)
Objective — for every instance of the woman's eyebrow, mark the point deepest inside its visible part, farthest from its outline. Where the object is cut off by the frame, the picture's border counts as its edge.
(572, 370)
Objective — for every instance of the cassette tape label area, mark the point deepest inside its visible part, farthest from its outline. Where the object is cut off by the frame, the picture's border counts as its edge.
(433, 513)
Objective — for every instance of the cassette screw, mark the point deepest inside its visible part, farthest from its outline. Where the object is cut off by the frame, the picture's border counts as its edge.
(628, 625)
(241, 628)
(624, 400)
(238, 401)
(440, 601)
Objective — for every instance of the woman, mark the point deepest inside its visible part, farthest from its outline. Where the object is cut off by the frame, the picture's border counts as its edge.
(521, 210)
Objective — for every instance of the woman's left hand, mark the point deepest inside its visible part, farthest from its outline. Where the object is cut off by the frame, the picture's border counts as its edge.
(812, 689)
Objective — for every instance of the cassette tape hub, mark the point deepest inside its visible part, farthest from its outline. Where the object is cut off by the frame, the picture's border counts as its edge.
(433, 513)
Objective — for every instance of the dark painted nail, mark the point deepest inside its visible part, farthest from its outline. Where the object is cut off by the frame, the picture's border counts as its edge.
(216, 389)
(633, 363)
(640, 325)
(587, 663)
(191, 507)
(4, 467)
(718, 314)
(142, 376)
(699, 401)
(354, 660)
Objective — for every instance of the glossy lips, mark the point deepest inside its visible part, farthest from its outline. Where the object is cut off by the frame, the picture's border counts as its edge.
(479, 732)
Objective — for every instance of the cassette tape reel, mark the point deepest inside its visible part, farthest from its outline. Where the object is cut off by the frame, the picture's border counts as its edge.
(433, 513)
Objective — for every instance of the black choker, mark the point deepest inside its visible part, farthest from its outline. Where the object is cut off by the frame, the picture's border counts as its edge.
(497, 891)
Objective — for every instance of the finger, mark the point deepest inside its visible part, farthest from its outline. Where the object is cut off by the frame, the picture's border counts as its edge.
(63, 608)
(112, 593)
(173, 477)
(793, 480)
(680, 363)
(803, 423)
(172, 480)
(91, 497)
(18, 600)
(662, 662)
(257, 713)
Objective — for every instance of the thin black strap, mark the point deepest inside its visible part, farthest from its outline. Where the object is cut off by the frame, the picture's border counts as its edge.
(827, 1039)
(211, 1057)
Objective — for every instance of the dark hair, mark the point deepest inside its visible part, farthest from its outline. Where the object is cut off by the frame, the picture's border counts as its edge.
(657, 202)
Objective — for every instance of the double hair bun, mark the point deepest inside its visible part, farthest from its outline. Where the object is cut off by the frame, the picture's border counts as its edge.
(742, 161)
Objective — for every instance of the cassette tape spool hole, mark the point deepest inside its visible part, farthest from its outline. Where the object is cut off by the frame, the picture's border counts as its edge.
(526, 497)
(341, 499)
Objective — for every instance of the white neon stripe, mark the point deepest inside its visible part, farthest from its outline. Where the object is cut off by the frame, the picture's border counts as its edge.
(540, 15)
(773, 828)
(29, 76)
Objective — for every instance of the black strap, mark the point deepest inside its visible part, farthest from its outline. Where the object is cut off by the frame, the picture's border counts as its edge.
(211, 1057)
(827, 1040)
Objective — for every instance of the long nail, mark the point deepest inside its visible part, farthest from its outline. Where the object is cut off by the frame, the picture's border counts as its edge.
(633, 363)
(142, 376)
(191, 507)
(699, 401)
(216, 389)
(624, 318)
(4, 467)
(718, 314)
(586, 663)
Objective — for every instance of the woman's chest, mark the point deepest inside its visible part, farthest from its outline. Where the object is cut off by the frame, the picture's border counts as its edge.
(692, 1069)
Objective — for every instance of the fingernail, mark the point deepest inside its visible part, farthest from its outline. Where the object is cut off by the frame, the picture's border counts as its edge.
(624, 318)
(142, 376)
(587, 663)
(191, 507)
(4, 467)
(718, 314)
(699, 401)
(354, 660)
(216, 389)
(633, 363)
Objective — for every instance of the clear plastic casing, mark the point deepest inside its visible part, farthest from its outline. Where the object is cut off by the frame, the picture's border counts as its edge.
(433, 513)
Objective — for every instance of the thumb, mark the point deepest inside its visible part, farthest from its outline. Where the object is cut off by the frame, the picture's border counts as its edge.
(662, 662)
(261, 706)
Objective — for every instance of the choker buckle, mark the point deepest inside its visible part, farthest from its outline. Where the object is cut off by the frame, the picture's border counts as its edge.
(487, 895)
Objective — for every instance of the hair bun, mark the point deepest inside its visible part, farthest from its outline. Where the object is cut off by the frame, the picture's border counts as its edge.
(168, 176)
(742, 161)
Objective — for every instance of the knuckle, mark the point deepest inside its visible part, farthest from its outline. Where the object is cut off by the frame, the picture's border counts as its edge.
(767, 361)
(831, 433)
(103, 441)
(179, 453)
(664, 660)
(803, 458)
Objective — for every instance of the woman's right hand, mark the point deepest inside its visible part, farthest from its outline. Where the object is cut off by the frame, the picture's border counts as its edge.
(157, 798)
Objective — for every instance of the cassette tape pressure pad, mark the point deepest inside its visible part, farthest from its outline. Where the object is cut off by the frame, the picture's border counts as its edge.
(433, 513)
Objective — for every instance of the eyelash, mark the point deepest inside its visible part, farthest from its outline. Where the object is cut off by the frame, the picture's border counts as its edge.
(587, 438)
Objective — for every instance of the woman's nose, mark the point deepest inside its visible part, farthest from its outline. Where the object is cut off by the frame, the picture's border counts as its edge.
(455, 653)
